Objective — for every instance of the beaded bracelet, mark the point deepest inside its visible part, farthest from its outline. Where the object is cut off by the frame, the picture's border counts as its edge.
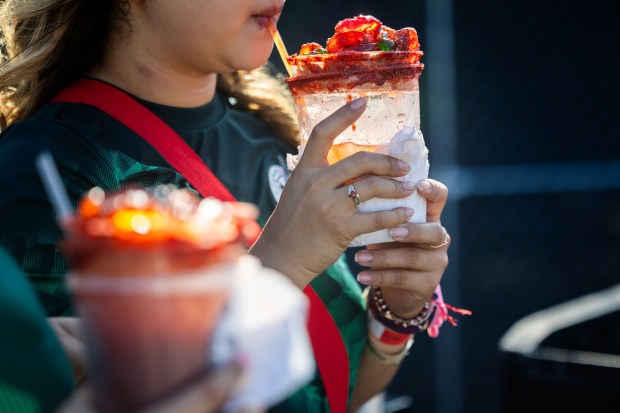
(382, 313)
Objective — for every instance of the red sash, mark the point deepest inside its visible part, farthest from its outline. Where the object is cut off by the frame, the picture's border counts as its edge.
(327, 343)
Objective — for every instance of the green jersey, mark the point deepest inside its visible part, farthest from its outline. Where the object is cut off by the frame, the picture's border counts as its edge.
(35, 375)
(92, 149)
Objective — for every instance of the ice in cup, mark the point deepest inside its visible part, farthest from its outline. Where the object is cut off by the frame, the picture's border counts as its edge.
(151, 272)
(364, 58)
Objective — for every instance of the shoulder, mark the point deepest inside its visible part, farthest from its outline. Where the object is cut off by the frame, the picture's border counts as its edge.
(52, 126)
(256, 128)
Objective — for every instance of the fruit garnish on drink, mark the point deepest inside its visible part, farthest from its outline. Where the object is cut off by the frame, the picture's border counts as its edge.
(160, 221)
(357, 42)
(365, 34)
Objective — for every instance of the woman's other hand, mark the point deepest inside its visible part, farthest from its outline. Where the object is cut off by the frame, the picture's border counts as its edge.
(409, 270)
(69, 333)
(206, 395)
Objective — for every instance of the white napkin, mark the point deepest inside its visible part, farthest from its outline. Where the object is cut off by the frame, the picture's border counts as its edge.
(265, 324)
(407, 145)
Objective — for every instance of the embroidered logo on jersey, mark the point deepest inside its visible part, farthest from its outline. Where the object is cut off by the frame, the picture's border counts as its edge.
(277, 179)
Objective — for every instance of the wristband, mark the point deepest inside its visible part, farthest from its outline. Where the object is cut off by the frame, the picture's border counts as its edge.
(384, 334)
(392, 359)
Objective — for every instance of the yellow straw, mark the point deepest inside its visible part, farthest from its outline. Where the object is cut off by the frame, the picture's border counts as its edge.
(279, 45)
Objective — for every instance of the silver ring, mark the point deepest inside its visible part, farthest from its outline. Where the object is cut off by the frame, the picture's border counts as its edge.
(444, 242)
(354, 195)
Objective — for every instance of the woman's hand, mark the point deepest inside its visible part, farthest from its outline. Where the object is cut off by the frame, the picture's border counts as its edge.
(206, 395)
(409, 270)
(315, 220)
(69, 333)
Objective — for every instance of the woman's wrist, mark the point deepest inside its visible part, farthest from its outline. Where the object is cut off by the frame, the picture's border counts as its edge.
(387, 345)
(391, 354)
(271, 256)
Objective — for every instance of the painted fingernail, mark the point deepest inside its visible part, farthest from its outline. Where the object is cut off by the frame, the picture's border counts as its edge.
(364, 278)
(409, 186)
(357, 103)
(399, 233)
(363, 257)
(425, 185)
(404, 166)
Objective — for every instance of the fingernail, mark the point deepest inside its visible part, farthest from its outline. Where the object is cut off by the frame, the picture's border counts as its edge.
(399, 233)
(409, 212)
(425, 185)
(409, 186)
(364, 278)
(404, 166)
(357, 103)
(363, 257)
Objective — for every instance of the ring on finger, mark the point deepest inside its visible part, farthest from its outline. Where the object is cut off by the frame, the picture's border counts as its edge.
(354, 195)
(444, 242)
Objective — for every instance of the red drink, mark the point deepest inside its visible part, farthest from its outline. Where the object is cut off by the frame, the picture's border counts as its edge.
(366, 59)
(342, 150)
(151, 274)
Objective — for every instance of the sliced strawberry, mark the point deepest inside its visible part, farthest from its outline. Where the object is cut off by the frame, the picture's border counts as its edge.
(366, 24)
(406, 39)
(346, 40)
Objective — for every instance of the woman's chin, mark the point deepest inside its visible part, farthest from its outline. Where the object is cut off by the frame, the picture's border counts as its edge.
(257, 59)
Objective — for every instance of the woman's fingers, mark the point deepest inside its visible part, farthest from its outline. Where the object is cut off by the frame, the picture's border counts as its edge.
(207, 395)
(379, 187)
(362, 223)
(68, 330)
(427, 234)
(324, 133)
(406, 258)
(367, 163)
(436, 195)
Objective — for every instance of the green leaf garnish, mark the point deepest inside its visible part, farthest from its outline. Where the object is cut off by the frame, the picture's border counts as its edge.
(385, 45)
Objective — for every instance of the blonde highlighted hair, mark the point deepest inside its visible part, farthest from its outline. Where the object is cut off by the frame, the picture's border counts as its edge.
(46, 45)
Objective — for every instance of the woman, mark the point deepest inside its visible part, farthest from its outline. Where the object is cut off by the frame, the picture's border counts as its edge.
(192, 64)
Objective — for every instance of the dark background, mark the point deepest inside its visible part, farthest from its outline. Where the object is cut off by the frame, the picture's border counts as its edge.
(520, 112)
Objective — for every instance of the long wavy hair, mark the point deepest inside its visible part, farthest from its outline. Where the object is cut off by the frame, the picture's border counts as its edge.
(46, 45)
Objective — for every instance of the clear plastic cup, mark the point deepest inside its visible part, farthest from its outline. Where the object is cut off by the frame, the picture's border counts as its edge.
(390, 124)
(152, 272)
(147, 336)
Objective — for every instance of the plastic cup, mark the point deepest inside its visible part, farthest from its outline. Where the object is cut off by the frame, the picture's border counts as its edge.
(390, 124)
(151, 272)
(147, 335)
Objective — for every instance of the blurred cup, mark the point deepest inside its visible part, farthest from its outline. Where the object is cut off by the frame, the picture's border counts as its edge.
(147, 336)
(322, 83)
(151, 276)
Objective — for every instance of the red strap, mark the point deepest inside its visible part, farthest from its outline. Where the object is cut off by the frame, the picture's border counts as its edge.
(330, 352)
(151, 128)
(327, 343)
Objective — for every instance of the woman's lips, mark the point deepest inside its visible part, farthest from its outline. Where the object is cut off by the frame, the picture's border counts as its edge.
(263, 21)
(272, 12)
